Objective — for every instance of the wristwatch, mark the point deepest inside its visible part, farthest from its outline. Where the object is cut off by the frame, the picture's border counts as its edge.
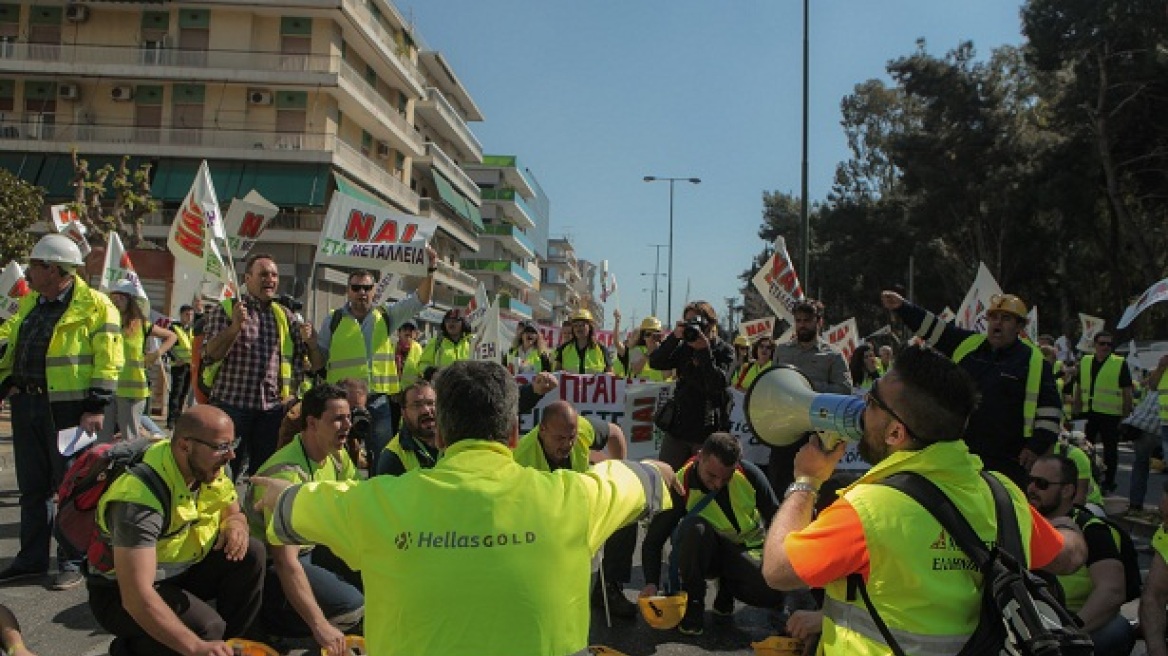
(802, 484)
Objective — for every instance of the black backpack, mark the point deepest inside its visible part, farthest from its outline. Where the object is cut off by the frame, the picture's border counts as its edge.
(1019, 616)
(1133, 582)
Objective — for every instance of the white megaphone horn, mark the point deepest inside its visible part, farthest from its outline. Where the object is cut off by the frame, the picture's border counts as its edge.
(781, 407)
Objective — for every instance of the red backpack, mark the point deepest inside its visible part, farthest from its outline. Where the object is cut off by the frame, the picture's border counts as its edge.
(86, 480)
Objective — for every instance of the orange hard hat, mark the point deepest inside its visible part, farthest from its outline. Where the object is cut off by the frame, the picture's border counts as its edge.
(1007, 303)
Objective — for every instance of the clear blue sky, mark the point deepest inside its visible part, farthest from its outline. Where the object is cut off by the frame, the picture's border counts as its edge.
(594, 95)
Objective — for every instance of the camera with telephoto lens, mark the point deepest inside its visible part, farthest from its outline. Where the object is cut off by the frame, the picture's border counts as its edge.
(693, 329)
(361, 424)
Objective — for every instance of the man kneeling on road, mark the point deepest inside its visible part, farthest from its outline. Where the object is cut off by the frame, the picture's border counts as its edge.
(563, 441)
(154, 597)
(309, 589)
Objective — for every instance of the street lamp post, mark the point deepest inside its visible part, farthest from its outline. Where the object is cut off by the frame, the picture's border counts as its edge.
(656, 273)
(669, 287)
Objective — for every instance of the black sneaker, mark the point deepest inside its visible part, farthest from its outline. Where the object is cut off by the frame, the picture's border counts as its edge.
(618, 604)
(694, 622)
(67, 580)
(12, 574)
(723, 601)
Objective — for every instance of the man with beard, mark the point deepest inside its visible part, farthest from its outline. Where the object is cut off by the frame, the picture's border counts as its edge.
(912, 422)
(1095, 591)
(416, 445)
(1017, 418)
(562, 441)
(308, 590)
(718, 537)
(154, 597)
(823, 366)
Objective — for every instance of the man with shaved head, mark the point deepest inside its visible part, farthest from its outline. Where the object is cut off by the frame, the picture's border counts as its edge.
(563, 440)
(152, 594)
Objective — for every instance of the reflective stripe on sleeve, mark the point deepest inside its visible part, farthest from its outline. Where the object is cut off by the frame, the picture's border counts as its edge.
(651, 481)
(282, 518)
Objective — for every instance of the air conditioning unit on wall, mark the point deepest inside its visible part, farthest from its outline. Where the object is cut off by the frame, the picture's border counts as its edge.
(257, 97)
(68, 91)
(122, 93)
(382, 150)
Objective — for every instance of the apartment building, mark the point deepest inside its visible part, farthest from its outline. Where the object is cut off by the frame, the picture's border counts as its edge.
(297, 99)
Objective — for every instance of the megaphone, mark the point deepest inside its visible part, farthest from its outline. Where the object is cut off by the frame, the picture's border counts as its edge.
(781, 407)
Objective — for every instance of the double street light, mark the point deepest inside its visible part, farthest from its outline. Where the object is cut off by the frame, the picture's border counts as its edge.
(669, 288)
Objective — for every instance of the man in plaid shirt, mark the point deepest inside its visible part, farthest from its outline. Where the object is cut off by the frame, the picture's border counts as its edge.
(249, 385)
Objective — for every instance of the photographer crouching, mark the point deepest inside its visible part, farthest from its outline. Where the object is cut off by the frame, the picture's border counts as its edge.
(700, 404)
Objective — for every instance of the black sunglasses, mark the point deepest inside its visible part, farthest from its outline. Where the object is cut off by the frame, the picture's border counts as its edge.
(873, 398)
(1043, 484)
(361, 288)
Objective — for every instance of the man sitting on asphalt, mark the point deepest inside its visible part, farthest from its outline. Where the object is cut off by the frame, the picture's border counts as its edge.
(562, 441)
(307, 589)
(154, 597)
(1095, 591)
(718, 538)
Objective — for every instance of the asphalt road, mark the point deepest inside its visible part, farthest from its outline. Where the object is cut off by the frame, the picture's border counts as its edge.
(60, 623)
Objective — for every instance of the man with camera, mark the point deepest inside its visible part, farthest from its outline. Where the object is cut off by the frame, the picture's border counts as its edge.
(700, 400)
(355, 341)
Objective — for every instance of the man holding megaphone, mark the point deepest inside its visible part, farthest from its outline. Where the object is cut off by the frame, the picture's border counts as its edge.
(1018, 416)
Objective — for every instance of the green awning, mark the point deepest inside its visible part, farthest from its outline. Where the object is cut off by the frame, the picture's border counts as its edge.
(55, 173)
(457, 201)
(354, 190)
(26, 166)
(284, 185)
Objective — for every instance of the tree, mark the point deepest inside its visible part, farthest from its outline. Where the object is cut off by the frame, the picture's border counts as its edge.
(131, 204)
(22, 203)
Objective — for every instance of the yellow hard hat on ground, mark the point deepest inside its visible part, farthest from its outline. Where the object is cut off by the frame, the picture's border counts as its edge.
(1007, 303)
(777, 646)
(581, 315)
(251, 648)
(651, 323)
(663, 612)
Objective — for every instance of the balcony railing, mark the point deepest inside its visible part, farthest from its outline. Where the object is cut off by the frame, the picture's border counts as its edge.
(446, 110)
(500, 266)
(352, 159)
(511, 196)
(87, 57)
(385, 111)
(453, 171)
(381, 36)
(37, 130)
(512, 232)
(515, 305)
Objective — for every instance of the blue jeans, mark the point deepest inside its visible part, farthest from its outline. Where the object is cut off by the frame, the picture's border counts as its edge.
(257, 432)
(383, 429)
(1143, 446)
(39, 469)
(1115, 638)
(335, 587)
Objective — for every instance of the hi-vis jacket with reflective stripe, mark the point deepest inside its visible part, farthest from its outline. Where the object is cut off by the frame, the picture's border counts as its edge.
(287, 349)
(132, 381)
(1033, 378)
(180, 353)
(920, 581)
(85, 353)
(349, 358)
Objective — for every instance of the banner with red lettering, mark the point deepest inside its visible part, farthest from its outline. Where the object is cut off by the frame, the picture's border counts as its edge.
(193, 235)
(778, 283)
(758, 328)
(363, 235)
(118, 267)
(844, 337)
(66, 222)
(1090, 327)
(245, 222)
(971, 312)
(1152, 295)
(14, 286)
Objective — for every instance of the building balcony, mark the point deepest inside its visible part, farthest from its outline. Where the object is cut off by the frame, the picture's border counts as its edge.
(364, 100)
(437, 158)
(352, 161)
(518, 309)
(386, 45)
(456, 279)
(156, 62)
(458, 228)
(510, 238)
(442, 118)
(513, 176)
(514, 207)
(509, 271)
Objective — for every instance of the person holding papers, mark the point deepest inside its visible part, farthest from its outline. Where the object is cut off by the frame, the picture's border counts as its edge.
(62, 352)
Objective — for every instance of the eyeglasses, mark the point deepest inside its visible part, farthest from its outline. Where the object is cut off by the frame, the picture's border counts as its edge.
(217, 448)
(360, 288)
(873, 398)
(1043, 484)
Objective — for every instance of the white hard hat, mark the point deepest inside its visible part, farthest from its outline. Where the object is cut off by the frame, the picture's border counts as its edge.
(127, 287)
(57, 249)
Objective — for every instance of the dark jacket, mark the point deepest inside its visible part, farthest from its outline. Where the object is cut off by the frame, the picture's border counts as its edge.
(702, 403)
